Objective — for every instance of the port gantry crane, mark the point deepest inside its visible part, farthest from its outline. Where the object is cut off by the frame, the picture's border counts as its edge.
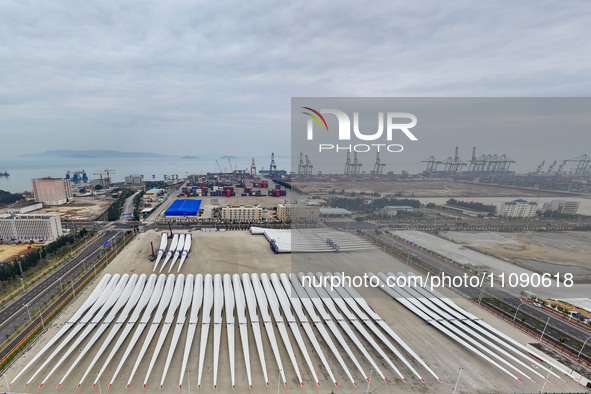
(348, 165)
(378, 167)
(583, 164)
(253, 168)
(356, 164)
(109, 172)
(539, 168)
(272, 167)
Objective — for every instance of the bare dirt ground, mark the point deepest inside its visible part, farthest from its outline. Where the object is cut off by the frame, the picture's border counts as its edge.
(238, 252)
(8, 252)
(82, 207)
(416, 188)
(538, 251)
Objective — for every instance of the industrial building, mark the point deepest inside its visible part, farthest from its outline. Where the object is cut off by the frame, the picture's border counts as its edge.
(561, 206)
(334, 212)
(134, 179)
(393, 210)
(25, 208)
(297, 212)
(183, 207)
(242, 213)
(518, 209)
(52, 191)
(39, 228)
(153, 194)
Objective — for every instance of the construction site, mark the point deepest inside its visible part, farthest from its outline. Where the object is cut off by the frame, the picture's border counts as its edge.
(198, 327)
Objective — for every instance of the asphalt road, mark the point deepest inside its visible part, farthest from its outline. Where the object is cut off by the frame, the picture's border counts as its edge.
(128, 208)
(16, 312)
(556, 327)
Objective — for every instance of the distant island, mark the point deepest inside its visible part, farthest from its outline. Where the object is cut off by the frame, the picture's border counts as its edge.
(189, 157)
(92, 154)
(228, 157)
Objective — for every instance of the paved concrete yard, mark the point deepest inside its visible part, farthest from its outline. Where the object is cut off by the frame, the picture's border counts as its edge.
(238, 252)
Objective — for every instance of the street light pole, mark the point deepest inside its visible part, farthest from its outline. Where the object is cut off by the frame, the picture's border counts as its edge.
(582, 347)
(517, 310)
(546, 325)
(458, 381)
(99, 384)
(546, 381)
(481, 289)
(28, 312)
(41, 315)
(23, 283)
(369, 380)
(189, 377)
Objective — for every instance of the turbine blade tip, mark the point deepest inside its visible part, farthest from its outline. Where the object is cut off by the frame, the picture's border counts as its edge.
(26, 384)
(41, 385)
(285, 384)
(267, 384)
(422, 380)
(215, 386)
(440, 380)
(127, 386)
(160, 387)
(386, 380)
(250, 387)
(354, 384)
(58, 386)
(180, 386)
(520, 381)
(367, 380)
(233, 387)
(144, 386)
(110, 385)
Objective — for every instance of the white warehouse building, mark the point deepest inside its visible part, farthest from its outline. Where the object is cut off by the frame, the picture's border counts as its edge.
(38, 228)
(518, 209)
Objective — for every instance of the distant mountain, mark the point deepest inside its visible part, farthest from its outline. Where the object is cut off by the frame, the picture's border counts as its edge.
(189, 157)
(228, 157)
(91, 154)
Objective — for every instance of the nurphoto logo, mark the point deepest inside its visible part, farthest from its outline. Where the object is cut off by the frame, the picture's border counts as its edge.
(392, 120)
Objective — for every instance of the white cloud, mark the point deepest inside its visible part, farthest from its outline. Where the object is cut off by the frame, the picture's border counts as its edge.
(194, 71)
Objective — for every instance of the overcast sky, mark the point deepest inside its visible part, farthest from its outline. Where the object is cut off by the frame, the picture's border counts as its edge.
(189, 77)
